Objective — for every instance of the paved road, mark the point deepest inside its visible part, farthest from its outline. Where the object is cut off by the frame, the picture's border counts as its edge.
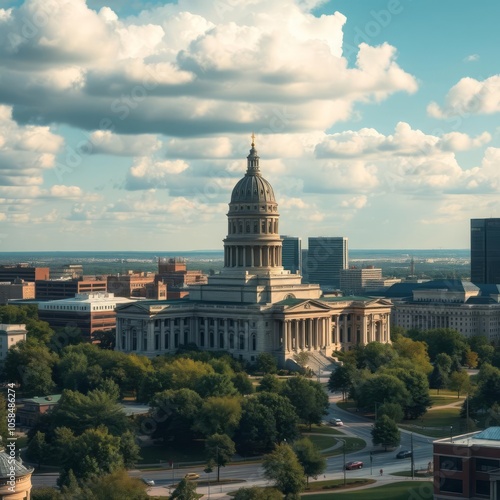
(354, 426)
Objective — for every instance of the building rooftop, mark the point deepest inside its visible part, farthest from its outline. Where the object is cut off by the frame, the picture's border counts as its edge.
(42, 400)
(9, 466)
(489, 437)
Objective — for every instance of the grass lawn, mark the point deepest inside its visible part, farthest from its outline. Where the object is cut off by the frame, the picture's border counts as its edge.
(319, 429)
(337, 484)
(323, 442)
(407, 473)
(351, 445)
(347, 405)
(394, 491)
(436, 423)
(446, 400)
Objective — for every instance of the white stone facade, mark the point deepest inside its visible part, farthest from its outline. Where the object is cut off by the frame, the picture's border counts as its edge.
(254, 305)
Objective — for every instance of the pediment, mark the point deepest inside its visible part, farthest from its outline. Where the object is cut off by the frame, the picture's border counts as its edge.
(139, 308)
(306, 306)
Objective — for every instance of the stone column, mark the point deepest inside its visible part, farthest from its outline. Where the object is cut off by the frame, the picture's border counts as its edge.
(247, 336)
(303, 334)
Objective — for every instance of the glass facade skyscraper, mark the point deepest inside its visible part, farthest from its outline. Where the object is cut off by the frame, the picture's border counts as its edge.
(485, 250)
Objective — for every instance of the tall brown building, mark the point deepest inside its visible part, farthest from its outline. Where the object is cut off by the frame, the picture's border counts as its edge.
(19, 289)
(24, 272)
(132, 284)
(67, 288)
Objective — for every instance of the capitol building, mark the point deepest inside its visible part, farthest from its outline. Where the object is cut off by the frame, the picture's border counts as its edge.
(253, 305)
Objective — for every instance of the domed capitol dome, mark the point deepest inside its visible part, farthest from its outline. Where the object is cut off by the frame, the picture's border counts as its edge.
(253, 188)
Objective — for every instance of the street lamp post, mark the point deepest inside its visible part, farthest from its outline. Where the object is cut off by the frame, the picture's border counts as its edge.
(451, 433)
(343, 453)
(411, 456)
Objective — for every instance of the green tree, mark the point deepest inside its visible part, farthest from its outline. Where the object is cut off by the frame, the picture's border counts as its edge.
(441, 340)
(383, 388)
(270, 383)
(37, 449)
(485, 354)
(308, 398)
(243, 383)
(284, 413)
(94, 453)
(385, 432)
(46, 493)
(115, 486)
(219, 416)
(256, 493)
(309, 457)
(443, 360)
(417, 386)
(471, 359)
(79, 412)
(175, 413)
(266, 363)
(460, 382)
(129, 449)
(256, 432)
(375, 355)
(73, 368)
(283, 467)
(438, 378)
(392, 410)
(4, 432)
(342, 379)
(185, 490)
(414, 351)
(215, 384)
(220, 448)
(30, 364)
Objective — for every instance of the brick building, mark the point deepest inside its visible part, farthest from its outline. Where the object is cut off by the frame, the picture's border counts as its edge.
(23, 271)
(18, 290)
(67, 288)
(468, 466)
(89, 312)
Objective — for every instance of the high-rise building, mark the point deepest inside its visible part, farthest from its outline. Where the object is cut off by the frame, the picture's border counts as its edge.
(292, 254)
(485, 250)
(326, 257)
(23, 271)
(355, 280)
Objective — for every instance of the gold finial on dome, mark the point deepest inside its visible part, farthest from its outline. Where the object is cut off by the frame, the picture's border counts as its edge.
(253, 140)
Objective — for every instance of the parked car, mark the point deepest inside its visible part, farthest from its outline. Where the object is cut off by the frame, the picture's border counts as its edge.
(336, 422)
(149, 482)
(192, 475)
(404, 454)
(354, 465)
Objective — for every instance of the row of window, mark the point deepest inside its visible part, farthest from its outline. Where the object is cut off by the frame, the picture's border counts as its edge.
(233, 340)
(211, 322)
(269, 208)
(252, 226)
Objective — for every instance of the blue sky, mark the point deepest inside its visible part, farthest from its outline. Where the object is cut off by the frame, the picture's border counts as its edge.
(125, 124)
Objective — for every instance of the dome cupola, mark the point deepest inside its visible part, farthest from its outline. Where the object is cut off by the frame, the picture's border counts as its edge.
(253, 243)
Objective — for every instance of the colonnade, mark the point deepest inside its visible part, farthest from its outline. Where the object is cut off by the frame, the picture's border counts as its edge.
(252, 256)
(309, 334)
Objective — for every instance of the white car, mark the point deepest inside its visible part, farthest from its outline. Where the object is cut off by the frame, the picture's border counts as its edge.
(149, 482)
(336, 422)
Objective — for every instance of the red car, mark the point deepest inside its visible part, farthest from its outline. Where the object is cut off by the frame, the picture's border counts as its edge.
(354, 465)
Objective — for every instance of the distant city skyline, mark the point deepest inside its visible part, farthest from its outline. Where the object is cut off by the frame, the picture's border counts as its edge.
(125, 125)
